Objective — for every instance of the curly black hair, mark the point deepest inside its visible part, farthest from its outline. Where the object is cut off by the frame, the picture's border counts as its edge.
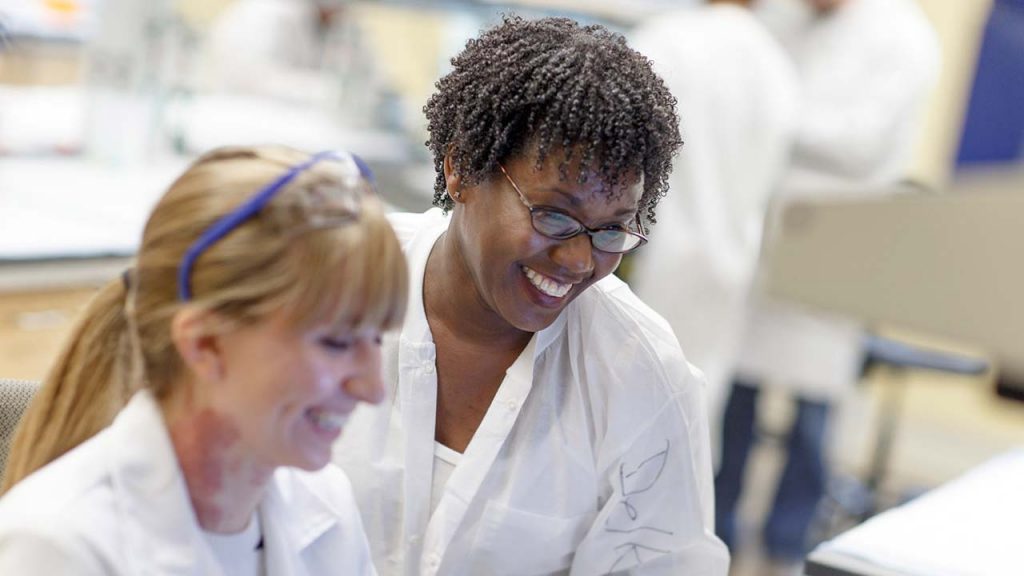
(560, 86)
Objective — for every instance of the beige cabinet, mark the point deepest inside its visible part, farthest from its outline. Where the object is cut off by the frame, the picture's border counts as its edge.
(33, 326)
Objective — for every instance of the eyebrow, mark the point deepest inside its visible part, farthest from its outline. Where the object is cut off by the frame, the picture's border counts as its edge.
(576, 202)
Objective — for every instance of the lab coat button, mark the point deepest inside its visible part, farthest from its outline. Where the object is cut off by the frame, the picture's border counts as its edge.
(433, 561)
(414, 539)
(428, 367)
(511, 405)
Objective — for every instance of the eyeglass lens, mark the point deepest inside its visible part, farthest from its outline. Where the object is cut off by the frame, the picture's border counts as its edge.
(561, 226)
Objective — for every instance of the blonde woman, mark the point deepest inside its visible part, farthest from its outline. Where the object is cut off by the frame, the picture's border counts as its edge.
(248, 329)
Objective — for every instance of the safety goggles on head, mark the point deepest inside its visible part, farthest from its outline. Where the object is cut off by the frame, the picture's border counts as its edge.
(554, 223)
(355, 170)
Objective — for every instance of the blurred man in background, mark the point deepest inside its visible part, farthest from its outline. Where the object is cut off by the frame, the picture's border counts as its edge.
(866, 68)
(737, 92)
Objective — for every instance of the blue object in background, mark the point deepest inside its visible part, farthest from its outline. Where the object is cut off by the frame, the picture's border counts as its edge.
(994, 124)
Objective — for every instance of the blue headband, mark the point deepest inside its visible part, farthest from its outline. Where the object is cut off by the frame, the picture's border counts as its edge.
(233, 219)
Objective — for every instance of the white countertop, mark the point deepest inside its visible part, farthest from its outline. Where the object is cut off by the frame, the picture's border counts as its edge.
(53, 207)
(969, 527)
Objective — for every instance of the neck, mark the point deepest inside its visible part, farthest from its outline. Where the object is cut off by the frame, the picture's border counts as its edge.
(225, 486)
(453, 304)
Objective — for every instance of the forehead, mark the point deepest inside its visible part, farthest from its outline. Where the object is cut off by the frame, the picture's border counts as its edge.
(562, 176)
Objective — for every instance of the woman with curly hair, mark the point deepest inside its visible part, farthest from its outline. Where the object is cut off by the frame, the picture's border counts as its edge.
(543, 420)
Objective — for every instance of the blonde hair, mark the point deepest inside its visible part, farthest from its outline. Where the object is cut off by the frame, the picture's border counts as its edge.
(310, 252)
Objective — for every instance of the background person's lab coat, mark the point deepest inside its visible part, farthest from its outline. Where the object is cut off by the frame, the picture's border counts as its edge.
(865, 70)
(738, 100)
(268, 47)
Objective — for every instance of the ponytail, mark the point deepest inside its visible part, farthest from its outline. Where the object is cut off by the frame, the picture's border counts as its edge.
(85, 388)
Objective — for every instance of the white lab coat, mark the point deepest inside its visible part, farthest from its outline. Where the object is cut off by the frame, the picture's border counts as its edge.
(865, 70)
(738, 98)
(118, 505)
(592, 458)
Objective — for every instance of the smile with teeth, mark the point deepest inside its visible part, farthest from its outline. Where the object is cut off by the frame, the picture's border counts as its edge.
(546, 285)
(326, 421)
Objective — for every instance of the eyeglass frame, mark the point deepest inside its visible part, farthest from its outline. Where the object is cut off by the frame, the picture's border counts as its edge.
(583, 228)
(250, 208)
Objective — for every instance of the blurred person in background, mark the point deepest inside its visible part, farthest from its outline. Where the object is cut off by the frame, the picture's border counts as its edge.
(866, 68)
(247, 331)
(273, 47)
(544, 419)
(739, 94)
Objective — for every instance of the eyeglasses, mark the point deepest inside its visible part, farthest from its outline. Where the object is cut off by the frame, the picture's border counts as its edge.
(250, 208)
(554, 223)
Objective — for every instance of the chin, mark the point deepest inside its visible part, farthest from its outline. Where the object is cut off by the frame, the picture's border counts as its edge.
(311, 462)
(535, 321)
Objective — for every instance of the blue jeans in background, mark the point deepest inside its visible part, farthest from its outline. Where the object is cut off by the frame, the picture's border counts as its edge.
(801, 486)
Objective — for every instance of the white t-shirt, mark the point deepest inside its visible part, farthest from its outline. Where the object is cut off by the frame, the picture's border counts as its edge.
(445, 461)
(240, 554)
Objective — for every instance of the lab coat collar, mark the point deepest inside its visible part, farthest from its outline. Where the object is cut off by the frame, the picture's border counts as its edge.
(547, 336)
(151, 496)
(160, 524)
(287, 534)
(416, 353)
(466, 481)
(416, 329)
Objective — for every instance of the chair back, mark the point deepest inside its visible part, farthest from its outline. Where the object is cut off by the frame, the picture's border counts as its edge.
(15, 396)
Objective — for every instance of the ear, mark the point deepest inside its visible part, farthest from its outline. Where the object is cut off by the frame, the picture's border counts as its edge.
(452, 179)
(198, 347)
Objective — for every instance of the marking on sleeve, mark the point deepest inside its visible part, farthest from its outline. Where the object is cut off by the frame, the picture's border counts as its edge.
(625, 519)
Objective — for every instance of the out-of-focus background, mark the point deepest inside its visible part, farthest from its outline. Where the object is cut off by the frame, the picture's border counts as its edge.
(102, 102)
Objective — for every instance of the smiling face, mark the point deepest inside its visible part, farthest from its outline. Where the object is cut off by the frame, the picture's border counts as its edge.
(521, 277)
(288, 390)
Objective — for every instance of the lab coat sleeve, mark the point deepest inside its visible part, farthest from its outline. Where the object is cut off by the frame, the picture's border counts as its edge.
(849, 128)
(36, 552)
(658, 519)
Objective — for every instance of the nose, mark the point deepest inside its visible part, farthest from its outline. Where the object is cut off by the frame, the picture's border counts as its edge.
(364, 382)
(575, 255)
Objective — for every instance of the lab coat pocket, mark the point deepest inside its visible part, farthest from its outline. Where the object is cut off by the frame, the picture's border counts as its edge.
(516, 542)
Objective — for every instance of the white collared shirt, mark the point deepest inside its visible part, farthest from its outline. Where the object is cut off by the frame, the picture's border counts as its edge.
(593, 456)
(118, 505)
